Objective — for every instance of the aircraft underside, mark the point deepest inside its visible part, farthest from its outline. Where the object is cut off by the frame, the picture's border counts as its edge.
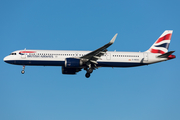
(62, 63)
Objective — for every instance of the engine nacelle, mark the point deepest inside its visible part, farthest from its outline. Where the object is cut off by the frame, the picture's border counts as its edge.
(73, 63)
(72, 71)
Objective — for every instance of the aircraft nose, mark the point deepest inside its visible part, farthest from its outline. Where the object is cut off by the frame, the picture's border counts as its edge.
(6, 59)
(9, 59)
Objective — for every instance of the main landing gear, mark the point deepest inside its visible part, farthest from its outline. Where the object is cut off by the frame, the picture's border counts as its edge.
(23, 70)
(89, 68)
(89, 71)
(88, 75)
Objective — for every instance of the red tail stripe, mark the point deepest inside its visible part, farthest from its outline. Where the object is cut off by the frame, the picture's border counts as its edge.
(157, 51)
(166, 37)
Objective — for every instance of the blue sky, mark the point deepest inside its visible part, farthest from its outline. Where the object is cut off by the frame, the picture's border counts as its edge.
(43, 93)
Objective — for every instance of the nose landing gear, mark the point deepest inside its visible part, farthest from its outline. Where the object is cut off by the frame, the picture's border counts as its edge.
(23, 70)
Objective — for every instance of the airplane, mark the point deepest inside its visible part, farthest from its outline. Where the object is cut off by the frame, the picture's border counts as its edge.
(74, 61)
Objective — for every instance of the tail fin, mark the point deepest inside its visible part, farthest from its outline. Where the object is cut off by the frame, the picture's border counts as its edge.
(162, 43)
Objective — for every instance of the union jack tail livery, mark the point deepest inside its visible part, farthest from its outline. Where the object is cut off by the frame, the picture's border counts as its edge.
(162, 43)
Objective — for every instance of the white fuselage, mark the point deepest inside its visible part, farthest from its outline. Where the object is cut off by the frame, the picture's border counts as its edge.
(57, 58)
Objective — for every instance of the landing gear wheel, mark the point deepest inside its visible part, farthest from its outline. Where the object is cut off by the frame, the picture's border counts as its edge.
(88, 75)
(22, 71)
(90, 70)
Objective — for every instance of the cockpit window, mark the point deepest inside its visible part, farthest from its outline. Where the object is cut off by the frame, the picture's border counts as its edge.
(13, 54)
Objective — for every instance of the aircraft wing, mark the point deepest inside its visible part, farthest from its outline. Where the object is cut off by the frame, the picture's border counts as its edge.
(96, 54)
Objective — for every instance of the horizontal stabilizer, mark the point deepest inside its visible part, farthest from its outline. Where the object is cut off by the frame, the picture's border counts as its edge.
(165, 55)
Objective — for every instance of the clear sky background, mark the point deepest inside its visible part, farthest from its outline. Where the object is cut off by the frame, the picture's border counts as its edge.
(43, 93)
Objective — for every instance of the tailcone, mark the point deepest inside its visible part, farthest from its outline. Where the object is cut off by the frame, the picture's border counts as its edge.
(171, 57)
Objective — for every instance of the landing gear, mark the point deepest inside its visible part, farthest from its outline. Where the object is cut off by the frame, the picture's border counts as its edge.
(88, 75)
(89, 71)
(90, 67)
(23, 70)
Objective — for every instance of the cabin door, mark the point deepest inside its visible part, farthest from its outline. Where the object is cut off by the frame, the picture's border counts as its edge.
(108, 56)
(23, 54)
(145, 56)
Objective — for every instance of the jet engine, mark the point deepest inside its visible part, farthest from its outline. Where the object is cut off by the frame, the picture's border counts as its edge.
(72, 71)
(73, 63)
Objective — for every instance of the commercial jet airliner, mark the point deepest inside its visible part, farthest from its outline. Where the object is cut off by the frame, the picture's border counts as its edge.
(74, 61)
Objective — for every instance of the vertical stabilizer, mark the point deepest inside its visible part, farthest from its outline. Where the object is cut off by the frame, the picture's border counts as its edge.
(162, 43)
